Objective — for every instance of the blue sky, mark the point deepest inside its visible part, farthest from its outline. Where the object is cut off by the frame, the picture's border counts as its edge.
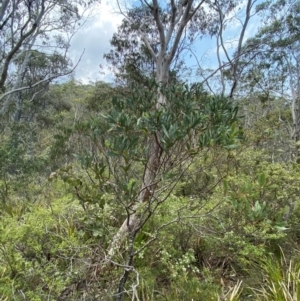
(94, 36)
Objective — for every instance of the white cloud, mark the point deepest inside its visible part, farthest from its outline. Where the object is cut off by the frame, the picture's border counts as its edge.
(93, 38)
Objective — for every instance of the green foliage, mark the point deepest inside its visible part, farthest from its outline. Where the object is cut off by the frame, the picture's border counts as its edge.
(121, 147)
(98, 100)
(189, 121)
(282, 280)
(269, 127)
(187, 109)
(14, 154)
(232, 207)
(40, 251)
(256, 202)
(220, 207)
(130, 59)
(248, 221)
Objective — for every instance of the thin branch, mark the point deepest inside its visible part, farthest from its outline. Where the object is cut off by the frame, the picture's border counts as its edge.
(228, 64)
(148, 45)
(250, 4)
(220, 64)
(5, 21)
(174, 20)
(3, 8)
(160, 27)
(48, 79)
(19, 44)
(187, 16)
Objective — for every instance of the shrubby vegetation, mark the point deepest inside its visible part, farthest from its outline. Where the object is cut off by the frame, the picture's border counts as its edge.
(228, 229)
(151, 188)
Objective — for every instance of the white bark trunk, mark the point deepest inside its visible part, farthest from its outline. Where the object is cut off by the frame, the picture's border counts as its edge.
(169, 37)
(133, 222)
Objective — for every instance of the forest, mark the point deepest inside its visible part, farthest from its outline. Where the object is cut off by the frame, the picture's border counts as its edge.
(169, 182)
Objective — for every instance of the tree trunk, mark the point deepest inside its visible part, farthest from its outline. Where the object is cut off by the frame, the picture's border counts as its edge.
(169, 38)
(133, 222)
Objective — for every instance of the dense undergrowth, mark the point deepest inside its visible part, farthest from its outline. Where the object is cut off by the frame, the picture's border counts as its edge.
(228, 231)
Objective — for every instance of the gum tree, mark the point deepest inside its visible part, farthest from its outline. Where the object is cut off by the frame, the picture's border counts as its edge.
(230, 31)
(170, 24)
(147, 140)
(271, 61)
(29, 26)
(117, 159)
(34, 44)
(168, 36)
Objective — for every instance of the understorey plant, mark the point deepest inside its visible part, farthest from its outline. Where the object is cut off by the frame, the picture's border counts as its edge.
(137, 153)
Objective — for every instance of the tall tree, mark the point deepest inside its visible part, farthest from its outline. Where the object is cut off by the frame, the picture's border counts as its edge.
(162, 31)
(233, 61)
(130, 60)
(230, 34)
(271, 61)
(162, 43)
(129, 57)
(44, 26)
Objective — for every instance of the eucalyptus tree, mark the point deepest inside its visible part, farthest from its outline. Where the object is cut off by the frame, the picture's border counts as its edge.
(28, 26)
(271, 61)
(233, 20)
(129, 58)
(161, 40)
(147, 140)
(234, 61)
(39, 66)
(34, 42)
